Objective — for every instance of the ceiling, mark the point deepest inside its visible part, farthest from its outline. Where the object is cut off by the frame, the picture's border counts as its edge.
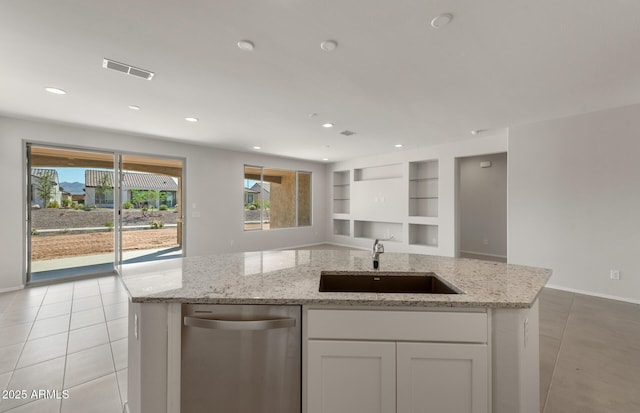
(393, 79)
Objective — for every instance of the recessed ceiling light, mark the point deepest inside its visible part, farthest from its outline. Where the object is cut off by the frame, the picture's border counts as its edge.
(398, 145)
(477, 131)
(246, 45)
(190, 119)
(441, 20)
(325, 159)
(134, 107)
(55, 91)
(327, 125)
(257, 147)
(329, 45)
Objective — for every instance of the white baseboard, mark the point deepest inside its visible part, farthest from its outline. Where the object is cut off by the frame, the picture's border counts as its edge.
(591, 293)
(298, 246)
(337, 244)
(319, 243)
(6, 290)
(504, 257)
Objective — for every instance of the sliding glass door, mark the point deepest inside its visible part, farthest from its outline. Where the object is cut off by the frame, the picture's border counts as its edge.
(71, 218)
(151, 215)
(88, 211)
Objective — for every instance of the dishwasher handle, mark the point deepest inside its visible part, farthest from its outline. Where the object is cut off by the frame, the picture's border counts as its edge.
(214, 324)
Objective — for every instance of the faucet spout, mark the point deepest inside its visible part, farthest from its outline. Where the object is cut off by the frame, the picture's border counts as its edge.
(378, 249)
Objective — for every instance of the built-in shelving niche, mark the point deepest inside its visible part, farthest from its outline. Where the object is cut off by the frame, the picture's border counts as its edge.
(391, 231)
(425, 235)
(341, 192)
(423, 188)
(378, 172)
(341, 227)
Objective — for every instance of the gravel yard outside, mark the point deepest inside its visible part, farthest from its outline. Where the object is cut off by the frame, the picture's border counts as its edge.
(45, 246)
(52, 218)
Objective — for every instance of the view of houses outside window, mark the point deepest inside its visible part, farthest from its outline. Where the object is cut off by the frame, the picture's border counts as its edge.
(77, 225)
(138, 189)
(72, 213)
(276, 198)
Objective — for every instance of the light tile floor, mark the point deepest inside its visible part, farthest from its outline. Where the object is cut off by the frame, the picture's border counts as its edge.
(73, 336)
(69, 336)
(589, 354)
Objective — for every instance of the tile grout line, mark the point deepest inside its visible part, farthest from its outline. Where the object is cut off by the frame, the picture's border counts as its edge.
(555, 364)
(25, 344)
(109, 343)
(113, 359)
(66, 353)
(33, 322)
(66, 350)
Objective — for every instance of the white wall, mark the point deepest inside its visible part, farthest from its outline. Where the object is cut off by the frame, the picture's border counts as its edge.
(214, 188)
(396, 192)
(483, 205)
(573, 191)
(574, 200)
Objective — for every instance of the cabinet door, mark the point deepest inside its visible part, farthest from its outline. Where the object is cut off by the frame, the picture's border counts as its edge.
(351, 377)
(439, 378)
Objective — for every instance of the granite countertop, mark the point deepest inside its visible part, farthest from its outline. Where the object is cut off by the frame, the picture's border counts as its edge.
(292, 277)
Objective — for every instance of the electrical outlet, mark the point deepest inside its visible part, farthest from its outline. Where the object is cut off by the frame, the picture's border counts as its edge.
(485, 241)
(614, 274)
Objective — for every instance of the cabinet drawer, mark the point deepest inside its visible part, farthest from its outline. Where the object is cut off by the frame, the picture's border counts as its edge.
(397, 325)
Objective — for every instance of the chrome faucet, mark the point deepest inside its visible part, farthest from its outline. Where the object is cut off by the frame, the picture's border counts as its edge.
(378, 249)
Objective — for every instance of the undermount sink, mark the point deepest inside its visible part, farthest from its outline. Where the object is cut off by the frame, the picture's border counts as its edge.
(384, 282)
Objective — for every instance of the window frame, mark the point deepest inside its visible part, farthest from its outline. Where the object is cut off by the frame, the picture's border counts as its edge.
(260, 197)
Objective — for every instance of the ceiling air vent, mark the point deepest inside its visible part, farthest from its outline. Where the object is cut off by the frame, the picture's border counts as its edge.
(125, 68)
(347, 133)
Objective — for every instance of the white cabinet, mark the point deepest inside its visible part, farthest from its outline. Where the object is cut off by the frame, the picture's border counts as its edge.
(351, 377)
(396, 361)
(436, 377)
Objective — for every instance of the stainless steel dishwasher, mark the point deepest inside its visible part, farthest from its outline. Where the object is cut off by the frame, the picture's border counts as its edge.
(241, 359)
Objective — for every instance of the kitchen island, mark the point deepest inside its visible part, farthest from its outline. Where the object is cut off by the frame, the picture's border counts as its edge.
(476, 351)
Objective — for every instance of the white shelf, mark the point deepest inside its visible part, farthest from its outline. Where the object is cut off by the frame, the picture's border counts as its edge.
(423, 207)
(341, 192)
(426, 235)
(341, 227)
(378, 172)
(378, 230)
(423, 188)
(365, 204)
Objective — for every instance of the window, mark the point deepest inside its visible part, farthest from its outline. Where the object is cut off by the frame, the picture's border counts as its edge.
(105, 197)
(276, 198)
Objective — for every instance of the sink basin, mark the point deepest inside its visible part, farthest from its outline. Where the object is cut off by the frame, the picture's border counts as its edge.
(383, 282)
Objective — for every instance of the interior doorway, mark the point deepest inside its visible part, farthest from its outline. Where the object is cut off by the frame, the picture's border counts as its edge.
(482, 207)
(89, 211)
